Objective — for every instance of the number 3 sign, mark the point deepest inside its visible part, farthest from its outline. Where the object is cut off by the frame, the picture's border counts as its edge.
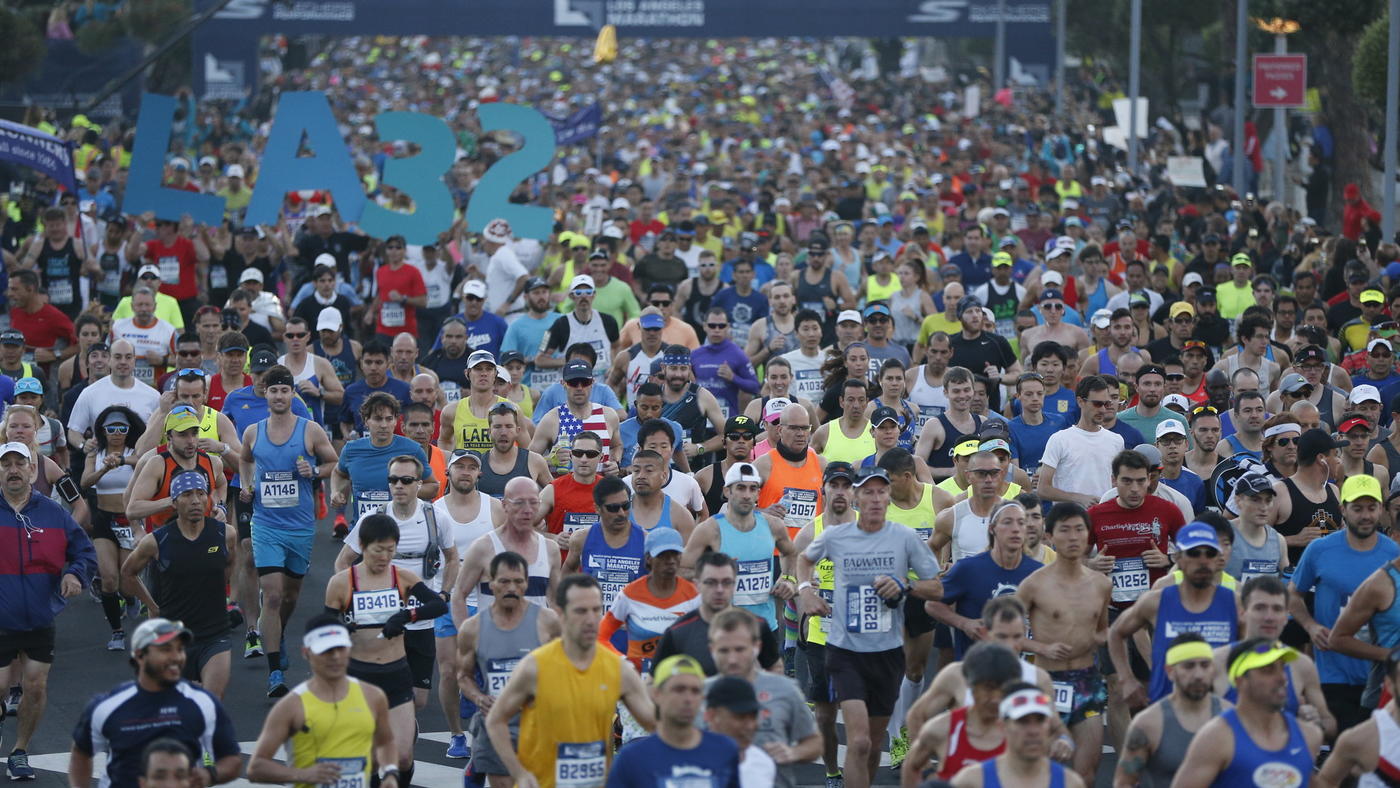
(306, 115)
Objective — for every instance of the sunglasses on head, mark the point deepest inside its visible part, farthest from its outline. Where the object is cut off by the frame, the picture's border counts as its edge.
(588, 453)
(402, 479)
(618, 507)
(1199, 409)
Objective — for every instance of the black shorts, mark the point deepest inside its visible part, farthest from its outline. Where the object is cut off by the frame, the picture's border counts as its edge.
(1141, 671)
(37, 644)
(421, 647)
(393, 677)
(917, 621)
(1344, 701)
(202, 651)
(103, 523)
(942, 635)
(818, 683)
(870, 677)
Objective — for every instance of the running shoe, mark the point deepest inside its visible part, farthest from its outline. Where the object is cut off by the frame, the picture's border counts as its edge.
(252, 646)
(341, 528)
(835, 781)
(118, 641)
(276, 685)
(12, 702)
(18, 767)
(458, 748)
(899, 748)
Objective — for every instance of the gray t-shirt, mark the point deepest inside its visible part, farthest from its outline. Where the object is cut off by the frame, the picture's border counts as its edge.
(861, 619)
(784, 717)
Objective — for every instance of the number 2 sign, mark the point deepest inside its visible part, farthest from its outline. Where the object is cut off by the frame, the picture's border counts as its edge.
(306, 116)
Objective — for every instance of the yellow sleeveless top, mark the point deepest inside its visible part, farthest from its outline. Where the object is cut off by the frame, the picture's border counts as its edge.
(951, 485)
(874, 291)
(839, 448)
(340, 732)
(566, 730)
(209, 424)
(826, 585)
(470, 431)
(920, 517)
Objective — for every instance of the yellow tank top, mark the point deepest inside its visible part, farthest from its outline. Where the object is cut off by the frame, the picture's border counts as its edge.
(826, 585)
(951, 485)
(209, 424)
(340, 732)
(470, 431)
(874, 291)
(527, 402)
(839, 448)
(565, 730)
(920, 517)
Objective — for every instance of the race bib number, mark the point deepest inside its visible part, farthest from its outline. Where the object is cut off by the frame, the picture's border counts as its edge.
(576, 520)
(370, 501)
(866, 612)
(1258, 567)
(498, 673)
(928, 413)
(392, 315)
(144, 372)
(542, 379)
(755, 582)
(801, 506)
(435, 294)
(278, 490)
(218, 277)
(169, 270)
(808, 383)
(452, 391)
(1130, 579)
(829, 597)
(61, 291)
(723, 408)
(111, 283)
(352, 772)
(126, 540)
(580, 765)
(374, 607)
(1064, 697)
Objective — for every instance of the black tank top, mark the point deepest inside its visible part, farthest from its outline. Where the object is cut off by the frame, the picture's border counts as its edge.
(1327, 514)
(59, 272)
(686, 412)
(942, 457)
(1324, 406)
(714, 494)
(697, 306)
(494, 484)
(347, 370)
(809, 296)
(1392, 456)
(189, 577)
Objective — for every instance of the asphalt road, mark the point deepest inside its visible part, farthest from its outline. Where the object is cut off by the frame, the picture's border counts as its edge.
(83, 668)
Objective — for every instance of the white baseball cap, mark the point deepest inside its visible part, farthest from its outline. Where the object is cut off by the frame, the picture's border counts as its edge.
(740, 472)
(474, 287)
(15, 447)
(1192, 278)
(1363, 393)
(497, 231)
(329, 320)
(621, 204)
(1101, 318)
(235, 171)
(582, 280)
(325, 258)
(1052, 278)
(251, 275)
(1171, 427)
(850, 314)
(147, 269)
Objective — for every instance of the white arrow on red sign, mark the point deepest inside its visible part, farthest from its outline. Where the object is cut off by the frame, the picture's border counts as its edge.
(1278, 93)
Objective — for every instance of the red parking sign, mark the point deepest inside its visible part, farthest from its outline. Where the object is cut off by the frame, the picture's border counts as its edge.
(1280, 81)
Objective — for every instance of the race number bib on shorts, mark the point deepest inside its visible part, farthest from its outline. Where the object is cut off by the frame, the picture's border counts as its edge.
(369, 501)
(497, 673)
(169, 270)
(352, 772)
(391, 315)
(866, 612)
(278, 489)
(755, 582)
(576, 520)
(801, 505)
(126, 539)
(829, 597)
(580, 765)
(1130, 579)
(1064, 697)
(374, 607)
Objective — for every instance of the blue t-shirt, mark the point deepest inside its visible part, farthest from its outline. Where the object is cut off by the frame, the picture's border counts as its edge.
(356, 393)
(486, 332)
(974, 272)
(368, 468)
(627, 433)
(743, 311)
(649, 761)
(1028, 442)
(972, 581)
(524, 336)
(1061, 404)
(557, 395)
(245, 408)
(1189, 485)
(122, 722)
(1333, 570)
(763, 273)
(1130, 434)
(1389, 387)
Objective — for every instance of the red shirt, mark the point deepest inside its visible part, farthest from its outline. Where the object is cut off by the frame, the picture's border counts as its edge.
(43, 328)
(409, 282)
(178, 275)
(638, 229)
(217, 393)
(1126, 534)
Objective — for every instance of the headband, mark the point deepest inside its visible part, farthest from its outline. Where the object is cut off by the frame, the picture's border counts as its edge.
(1282, 429)
(1195, 649)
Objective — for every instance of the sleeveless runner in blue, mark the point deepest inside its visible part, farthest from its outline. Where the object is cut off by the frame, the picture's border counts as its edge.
(1250, 759)
(1217, 624)
(991, 780)
(282, 497)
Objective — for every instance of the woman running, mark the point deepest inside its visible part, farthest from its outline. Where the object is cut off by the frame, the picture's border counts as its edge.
(106, 474)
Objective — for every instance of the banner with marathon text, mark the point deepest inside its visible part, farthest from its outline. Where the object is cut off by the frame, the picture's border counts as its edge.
(29, 147)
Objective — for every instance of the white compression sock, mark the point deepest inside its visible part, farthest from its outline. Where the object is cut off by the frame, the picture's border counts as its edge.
(908, 693)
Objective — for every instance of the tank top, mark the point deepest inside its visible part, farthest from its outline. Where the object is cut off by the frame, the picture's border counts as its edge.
(817, 626)
(344, 364)
(202, 463)
(1291, 765)
(498, 650)
(371, 607)
(714, 494)
(1108, 366)
(639, 369)
(686, 412)
(806, 374)
(314, 403)
(470, 431)
(960, 750)
(537, 574)
(970, 535)
(906, 329)
(565, 731)
(1324, 411)
(570, 425)
(1385, 632)
(282, 497)
(1170, 753)
(494, 484)
(1232, 365)
(1234, 442)
(850, 264)
(771, 331)
(799, 490)
(592, 333)
(698, 305)
(874, 291)
(1004, 307)
(189, 577)
(113, 482)
(1388, 752)
(1392, 456)
(664, 521)
(810, 296)
(753, 549)
(573, 505)
(991, 780)
(1247, 561)
(60, 270)
(1217, 624)
(942, 457)
(919, 516)
(1097, 299)
(1290, 705)
(612, 567)
(464, 534)
(341, 733)
(931, 400)
(1327, 515)
(840, 448)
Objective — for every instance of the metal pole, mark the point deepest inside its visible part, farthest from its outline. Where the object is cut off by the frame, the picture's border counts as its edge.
(1134, 83)
(1060, 12)
(1241, 65)
(1392, 110)
(999, 67)
(1281, 136)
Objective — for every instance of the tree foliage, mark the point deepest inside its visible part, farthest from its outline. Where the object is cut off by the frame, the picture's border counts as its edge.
(24, 43)
(1369, 63)
(1099, 30)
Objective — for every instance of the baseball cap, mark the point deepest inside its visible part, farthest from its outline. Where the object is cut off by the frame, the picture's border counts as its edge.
(731, 692)
(181, 418)
(1364, 393)
(325, 258)
(480, 357)
(261, 359)
(1027, 701)
(1006, 242)
(742, 472)
(1150, 453)
(876, 472)
(1315, 442)
(1181, 308)
(883, 414)
(652, 320)
(582, 280)
(1177, 400)
(1310, 353)
(15, 447)
(1052, 279)
(577, 370)
(509, 356)
(1170, 427)
(497, 231)
(329, 319)
(251, 275)
(1059, 251)
(148, 269)
(1251, 483)
(1197, 534)
(235, 171)
(475, 288)
(1192, 278)
(1139, 299)
(677, 665)
(459, 455)
(663, 540)
(1101, 318)
(741, 424)
(839, 468)
(324, 638)
(1371, 296)
(1002, 259)
(29, 385)
(185, 481)
(11, 336)
(1361, 486)
(1352, 423)
(1242, 259)
(534, 282)
(877, 309)
(1292, 383)
(995, 444)
(774, 408)
(1261, 656)
(1210, 238)
(1377, 342)
(1051, 294)
(158, 632)
(850, 315)
(967, 447)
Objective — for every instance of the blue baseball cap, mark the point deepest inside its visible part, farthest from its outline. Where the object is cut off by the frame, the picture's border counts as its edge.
(661, 540)
(29, 385)
(1051, 293)
(1197, 534)
(876, 309)
(652, 320)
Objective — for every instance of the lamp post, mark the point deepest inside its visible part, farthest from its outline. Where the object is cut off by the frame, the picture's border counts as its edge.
(1281, 29)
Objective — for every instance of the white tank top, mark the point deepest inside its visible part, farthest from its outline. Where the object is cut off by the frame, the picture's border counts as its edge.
(438, 282)
(594, 333)
(537, 583)
(969, 531)
(463, 534)
(1028, 675)
(931, 400)
(307, 371)
(639, 371)
(113, 482)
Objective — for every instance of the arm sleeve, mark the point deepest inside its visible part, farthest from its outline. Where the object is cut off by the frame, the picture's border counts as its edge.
(430, 605)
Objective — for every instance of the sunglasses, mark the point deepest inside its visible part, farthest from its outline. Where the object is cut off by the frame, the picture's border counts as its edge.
(618, 507)
(717, 326)
(402, 479)
(117, 429)
(190, 353)
(583, 291)
(659, 304)
(1202, 552)
(738, 436)
(192, 372)
(1053, 307)
(1183, 321)
(1104, 403)
(588, 453)
(579, 383)
(1176, 376)
(296, 334)
(877, 319)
